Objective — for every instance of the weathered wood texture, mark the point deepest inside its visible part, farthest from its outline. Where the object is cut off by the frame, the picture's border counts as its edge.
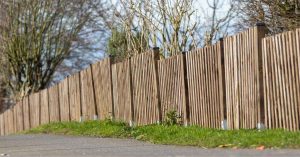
(74, 94)
(172, 88)
(64, 103)
(103, 88)
(6, 123)
(44, 106)
(26, 113)
(204, 74)
(9, 122)
(18, 117)
(53, 96)
(144, 88)
(34, 106)
(122, 91)
(87, 94)
(281, 61)
(2, 127)
(242, 55)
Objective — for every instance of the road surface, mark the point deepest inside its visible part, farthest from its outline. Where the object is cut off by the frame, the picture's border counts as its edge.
(52, 146)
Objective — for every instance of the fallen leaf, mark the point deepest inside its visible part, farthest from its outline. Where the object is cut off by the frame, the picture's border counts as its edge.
(260, 148)
(225, 145)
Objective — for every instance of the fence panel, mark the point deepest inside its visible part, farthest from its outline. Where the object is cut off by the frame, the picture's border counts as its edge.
(26, 113)
(204, 71)
(64, 100)
(6, 123)
(54, 114)
(87, 94)
(103, 88)
(2, 129)
(18, 114)
(34, 106)
(74, 93)
(9, 122)
(122, 91)
(144, 88)
(281, 58)
(172, 87)
(44, 106)
(243, 75)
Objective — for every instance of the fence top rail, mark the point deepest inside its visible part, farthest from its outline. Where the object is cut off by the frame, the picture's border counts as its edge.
(281, 34)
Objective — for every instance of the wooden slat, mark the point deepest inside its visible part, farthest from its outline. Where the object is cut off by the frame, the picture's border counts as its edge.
(44, 107)
(34, 106)
(26, 113)
(75, 101)
(87, 94)
(2, 129)
(64, 101)
(53, 96)
(6, 123)
(19, 121)
(103, 88)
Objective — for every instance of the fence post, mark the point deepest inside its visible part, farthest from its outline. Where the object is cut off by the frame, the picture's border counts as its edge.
(111, 87)
(261, 33)
(223, 86)
(186, 91)
(156, 58)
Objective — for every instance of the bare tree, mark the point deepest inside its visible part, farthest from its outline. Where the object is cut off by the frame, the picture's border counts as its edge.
(216, 21)
(167, 24)
(278, 15)
(37, 36)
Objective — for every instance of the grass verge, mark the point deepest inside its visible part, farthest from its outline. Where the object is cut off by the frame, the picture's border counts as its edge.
(176, 135)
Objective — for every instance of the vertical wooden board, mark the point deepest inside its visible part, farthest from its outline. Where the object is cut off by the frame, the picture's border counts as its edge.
(103, 88)
(6, 123)
(54, 113)
(19, 116)
(122, 91)
(144, 84)
(15, 116)
(87, 94)
(34, 106)
(74, 94)
(64, 101)
(26, 113)
(2, 132)
(44, 106)
(172, 89)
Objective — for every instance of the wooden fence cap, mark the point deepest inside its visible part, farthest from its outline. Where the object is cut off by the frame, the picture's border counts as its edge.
(155, 48)
(260, 24)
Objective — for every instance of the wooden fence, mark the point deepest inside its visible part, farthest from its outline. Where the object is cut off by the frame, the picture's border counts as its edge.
(281, 60)
(242, 80)
(205, 86)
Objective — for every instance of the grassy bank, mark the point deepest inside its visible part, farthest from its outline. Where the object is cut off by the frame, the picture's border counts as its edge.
(176, 135)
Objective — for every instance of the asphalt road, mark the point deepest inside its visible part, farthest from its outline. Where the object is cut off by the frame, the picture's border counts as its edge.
(50, 145)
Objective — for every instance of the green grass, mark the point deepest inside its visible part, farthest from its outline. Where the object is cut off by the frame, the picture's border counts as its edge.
(176, 135)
